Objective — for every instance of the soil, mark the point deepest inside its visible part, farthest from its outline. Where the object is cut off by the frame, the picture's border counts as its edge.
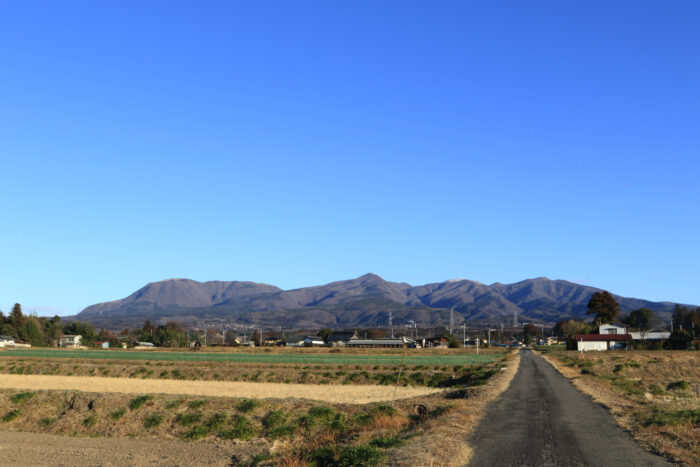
(340, 394)
(21, 449)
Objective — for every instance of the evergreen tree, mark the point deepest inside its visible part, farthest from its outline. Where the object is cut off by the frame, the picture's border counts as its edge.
(604, 306)
(16, 316)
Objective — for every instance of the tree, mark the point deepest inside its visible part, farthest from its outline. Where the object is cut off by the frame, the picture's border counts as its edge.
(16, 316)
(641, 320)
(529, 330)
(604, 306)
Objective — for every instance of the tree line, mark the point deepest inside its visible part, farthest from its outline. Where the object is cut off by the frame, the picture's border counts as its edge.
(41, 331)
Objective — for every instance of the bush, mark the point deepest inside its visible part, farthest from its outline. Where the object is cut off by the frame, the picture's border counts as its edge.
(90, 421)
(11, 415)
(682, 385)
(46, 422)
(153, 420)
(386, 442)
(173, 404)
(22, 397)
(197, 404)
(384, 409)
(137, 402)
(187, 419)
(117, 414)
(198, 432)
(276, 425)
(242, 429)
(216, 420)
(247, 405)
(360, 456)
(675, 417)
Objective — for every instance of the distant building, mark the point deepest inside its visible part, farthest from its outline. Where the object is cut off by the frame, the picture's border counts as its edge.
(314, 341)
(341, 338)
(586, 342)
(385, 342)
(70, 340)
(652, 335)
(6, 340)
(102, 344)
(612, 328)
(144, 346)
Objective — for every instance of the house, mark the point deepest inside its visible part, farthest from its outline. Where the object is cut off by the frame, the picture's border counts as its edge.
(384, 342)
(313, 341)
(144, 346)
(295, 341)
(102, 344)
(587, 342)
(70, 340)
(340, 338)
(6, 340)
(651, 335)
(612, 328)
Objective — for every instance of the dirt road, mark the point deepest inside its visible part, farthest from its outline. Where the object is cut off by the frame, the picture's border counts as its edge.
(21, 449)
(542, 420)
(341, 394)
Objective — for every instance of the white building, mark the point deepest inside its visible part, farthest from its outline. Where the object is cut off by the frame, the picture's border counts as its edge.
(612, 328)
(6, 340)
(70, 341)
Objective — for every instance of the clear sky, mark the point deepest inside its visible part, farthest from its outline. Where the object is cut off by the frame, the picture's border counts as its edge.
(298, 143)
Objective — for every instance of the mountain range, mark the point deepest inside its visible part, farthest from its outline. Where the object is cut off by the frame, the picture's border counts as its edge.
(362, 302)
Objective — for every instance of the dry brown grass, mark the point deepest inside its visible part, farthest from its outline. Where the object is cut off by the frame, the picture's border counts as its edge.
(634, 385)
(444, 440)
(338, 394)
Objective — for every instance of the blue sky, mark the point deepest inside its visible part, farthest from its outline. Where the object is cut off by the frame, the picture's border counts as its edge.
(297, 143)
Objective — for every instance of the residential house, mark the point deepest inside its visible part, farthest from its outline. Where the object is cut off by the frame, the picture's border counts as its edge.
(102, 344)
(314, 341)
(6, 340)
(612, 328)
(586, 342)
(341, 338)
(70, 340)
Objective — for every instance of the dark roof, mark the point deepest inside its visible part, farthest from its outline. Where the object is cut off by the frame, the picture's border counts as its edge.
(603, 337)
(341, 336)
(7, 338)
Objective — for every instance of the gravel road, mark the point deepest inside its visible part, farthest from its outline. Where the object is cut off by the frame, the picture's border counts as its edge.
(543, 420)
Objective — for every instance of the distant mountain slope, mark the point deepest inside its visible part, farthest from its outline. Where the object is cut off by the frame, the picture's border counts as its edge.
(364, 301)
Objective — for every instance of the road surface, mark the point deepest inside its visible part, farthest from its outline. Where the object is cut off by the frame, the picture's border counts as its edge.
(543, 420)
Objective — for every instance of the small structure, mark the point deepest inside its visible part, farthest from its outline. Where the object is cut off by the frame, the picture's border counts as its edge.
(652, 335)
(102, 344)
(144, 346)
(295, 341)
(587, 342)
(384, 343)
(6, 340)
(70, 340)
(313, 341)
(341, 338)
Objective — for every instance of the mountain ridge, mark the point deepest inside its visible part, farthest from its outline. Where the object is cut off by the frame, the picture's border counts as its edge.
(362, 301)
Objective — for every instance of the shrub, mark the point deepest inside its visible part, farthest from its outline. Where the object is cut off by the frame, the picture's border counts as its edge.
(197, 404)
(360, 456)
(90, 421)
(363, 419)
(242, 429)
(216, 420)
(384, 409)
(153, 420)
(323, 456)
(276, 425)
(22, 397)
(386, 442)
(195, 433)
(11, 415)
(187, 419)
(117, 414)
(682, 385)
(173, 403)
(46, 422)
(675, 417)
(247, 405)
(137, 402)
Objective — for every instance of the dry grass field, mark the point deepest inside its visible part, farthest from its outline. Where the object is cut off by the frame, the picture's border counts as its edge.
(281, 424)
(654, 394)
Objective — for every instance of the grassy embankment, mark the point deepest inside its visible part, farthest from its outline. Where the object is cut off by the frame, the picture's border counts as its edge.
(285, 432)
(654, 394)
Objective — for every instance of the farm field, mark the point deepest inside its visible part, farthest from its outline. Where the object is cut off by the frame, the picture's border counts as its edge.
(653, 394)
(378, 357)
(438, 371)
(327, 421)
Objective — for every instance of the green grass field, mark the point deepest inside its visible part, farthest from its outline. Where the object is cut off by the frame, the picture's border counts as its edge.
(334, 359)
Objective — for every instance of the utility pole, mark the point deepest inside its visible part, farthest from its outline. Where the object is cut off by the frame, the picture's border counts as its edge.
(490, 330)
(464, 335)
(391, 325)
(452, 319)
(205, 336)
(260, 337)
